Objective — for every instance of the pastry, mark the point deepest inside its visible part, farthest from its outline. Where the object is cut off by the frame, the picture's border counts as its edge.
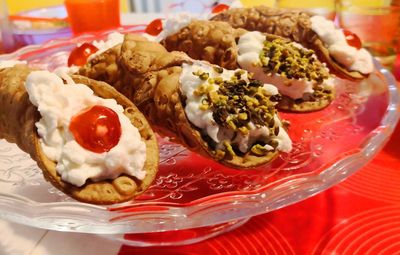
(303, 81)
(90, 141)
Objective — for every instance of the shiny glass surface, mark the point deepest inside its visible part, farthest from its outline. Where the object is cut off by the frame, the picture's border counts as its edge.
(193, 192)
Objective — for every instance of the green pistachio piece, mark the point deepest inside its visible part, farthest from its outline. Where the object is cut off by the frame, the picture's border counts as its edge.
(242, 116)
(258, 150)
(228, 148)
(218, 69)
(204, 76)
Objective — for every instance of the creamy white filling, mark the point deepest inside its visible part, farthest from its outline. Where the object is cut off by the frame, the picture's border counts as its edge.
(11, 63)
(65, 70)
(250, 46)
(57, 104)
(203, 119)
(173, 24)
(236, 4)
(112, 40)
(334, 39)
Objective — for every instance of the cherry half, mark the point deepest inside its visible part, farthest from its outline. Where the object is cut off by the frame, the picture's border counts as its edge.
(219, 8)
(352, 39)
(155, 27)
(79, 55)
(96, 129)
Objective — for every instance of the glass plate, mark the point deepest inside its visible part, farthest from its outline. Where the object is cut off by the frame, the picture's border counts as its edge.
(192, 192)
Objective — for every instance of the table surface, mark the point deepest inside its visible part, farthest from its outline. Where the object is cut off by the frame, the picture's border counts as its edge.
(358, 216)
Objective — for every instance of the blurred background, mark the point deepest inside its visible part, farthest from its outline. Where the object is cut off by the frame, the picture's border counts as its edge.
(23, 22)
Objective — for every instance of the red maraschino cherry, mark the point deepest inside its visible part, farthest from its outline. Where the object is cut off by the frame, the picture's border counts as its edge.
(79, 55)
(96, 129)
(155, 27)
(352, 39)
(220, 8)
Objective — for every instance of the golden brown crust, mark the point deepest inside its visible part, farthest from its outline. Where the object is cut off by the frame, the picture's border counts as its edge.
(151, 80)
(17, 114)
(213, 41)
(103, 67)
(21, 116)
(292, 24)
(288, 104)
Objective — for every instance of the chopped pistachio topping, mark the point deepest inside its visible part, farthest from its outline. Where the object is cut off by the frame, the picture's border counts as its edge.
(284, 58)
(238, 104)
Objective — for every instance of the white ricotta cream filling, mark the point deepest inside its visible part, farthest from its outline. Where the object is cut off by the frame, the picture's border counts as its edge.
(354, 59)
(11, 63)
(203, 119)
(173, 24)
(57, 104)
(250, 46)
(112, 40)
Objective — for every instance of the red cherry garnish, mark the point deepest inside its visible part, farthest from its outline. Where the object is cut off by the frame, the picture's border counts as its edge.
(352, 39)
(155, 27)
(79, 55)
(96, 129)
(220, 8)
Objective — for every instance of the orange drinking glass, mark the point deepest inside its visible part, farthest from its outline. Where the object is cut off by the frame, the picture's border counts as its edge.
(92, 15)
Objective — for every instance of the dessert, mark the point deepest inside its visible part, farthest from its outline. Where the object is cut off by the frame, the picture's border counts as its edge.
(303, 81)
(312, 31)
(90, 141)
(221, 114)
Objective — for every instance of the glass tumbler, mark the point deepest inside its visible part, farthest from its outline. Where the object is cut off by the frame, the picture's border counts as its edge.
(6, 37)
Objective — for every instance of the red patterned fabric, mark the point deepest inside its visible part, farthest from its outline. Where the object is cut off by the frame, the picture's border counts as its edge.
(358, 216)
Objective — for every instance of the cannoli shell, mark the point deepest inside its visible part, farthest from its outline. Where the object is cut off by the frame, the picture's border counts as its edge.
(17, 124)
(150, 78)
(213, 41)
(103, 67)
(292, 24)
(291, 105)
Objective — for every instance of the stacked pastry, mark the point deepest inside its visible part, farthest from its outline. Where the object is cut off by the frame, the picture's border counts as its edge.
(221, 114)
(346, 60)
(300, 77)
(151, 76)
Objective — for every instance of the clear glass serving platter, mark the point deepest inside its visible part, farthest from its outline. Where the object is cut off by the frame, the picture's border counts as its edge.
(194, 194)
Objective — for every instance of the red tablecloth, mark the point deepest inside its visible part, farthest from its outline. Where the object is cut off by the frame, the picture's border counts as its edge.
(359, 216)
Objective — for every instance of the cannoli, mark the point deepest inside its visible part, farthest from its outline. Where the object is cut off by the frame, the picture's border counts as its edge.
(303, 81)
(221, 114)
(90, 141)
(312, 31)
